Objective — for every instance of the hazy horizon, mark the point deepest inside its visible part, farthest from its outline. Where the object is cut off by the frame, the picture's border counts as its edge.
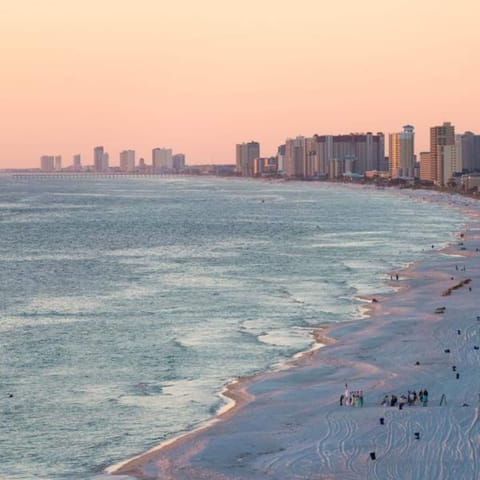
(199, 78)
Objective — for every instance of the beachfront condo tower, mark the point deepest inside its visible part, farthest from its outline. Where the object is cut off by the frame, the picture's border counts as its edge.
(402, 153)
(98, 154)
(442, 151)
(245, 155)
(162, 160)
(127, 160)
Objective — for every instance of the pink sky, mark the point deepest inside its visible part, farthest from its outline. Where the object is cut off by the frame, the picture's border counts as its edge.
(200, 76)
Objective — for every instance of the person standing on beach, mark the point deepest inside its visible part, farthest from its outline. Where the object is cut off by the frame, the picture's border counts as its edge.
(425, 398)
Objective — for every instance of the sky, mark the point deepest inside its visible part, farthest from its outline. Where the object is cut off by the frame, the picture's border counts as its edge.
(200, 76)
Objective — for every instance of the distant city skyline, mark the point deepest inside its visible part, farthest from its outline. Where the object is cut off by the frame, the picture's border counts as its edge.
(115, 160)
(201, 76)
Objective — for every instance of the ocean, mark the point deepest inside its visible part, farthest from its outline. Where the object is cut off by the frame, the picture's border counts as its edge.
(127, 304)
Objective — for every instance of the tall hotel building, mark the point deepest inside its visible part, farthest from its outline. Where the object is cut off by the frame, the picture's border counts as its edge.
(98, 159)
(426, 167)
(178, 162)
(47, 163)
(58, 163)
(334, 154)
(245, 154)
(402, 153)
(127, 160)
(295, 157)
(77, 162)
(162, 159)
(470, 151)
(442, 153)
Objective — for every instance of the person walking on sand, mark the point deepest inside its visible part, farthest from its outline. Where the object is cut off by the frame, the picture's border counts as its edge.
(346, 396)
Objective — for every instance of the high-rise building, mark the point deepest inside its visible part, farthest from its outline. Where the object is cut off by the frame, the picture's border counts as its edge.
(105, 161)
(58, 163)
(426, 167)
(127, 161)
(246, 153)
(402, 153)
(470, 151)
(324, 153)
(451, 162)
(281, 158)
(441, 136)
(311, 157)
(178, 162)
(77, 162)
(98, 159)
(162, 159)
(47, 163)
(295, 157)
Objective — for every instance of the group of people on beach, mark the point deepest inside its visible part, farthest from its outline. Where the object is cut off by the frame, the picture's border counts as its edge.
(412, 398)
(351, 399)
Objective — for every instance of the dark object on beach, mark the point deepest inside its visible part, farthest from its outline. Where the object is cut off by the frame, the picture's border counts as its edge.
(374, 300)
(458, 376)
(475, 347)
(470, 289)
(440, 309)
(417, 435)
(417, 363)
(396, 276)
(465, 405)
(454, 368)
(10, 396)
(459, 332)
(448, 291)
(478, 319)
(400, 406)
(451, 278)
(447, 350)
(373, 456)
(342, 397)
(382, 421)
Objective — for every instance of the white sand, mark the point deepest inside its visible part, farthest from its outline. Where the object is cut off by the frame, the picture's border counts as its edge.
(289, 425)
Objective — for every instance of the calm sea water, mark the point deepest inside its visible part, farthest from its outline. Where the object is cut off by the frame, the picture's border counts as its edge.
(126, 304)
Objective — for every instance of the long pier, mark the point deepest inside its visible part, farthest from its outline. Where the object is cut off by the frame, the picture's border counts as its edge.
(86, 175)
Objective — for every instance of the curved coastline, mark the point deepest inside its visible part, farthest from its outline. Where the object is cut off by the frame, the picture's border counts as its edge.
(238, 391)
(237, 395)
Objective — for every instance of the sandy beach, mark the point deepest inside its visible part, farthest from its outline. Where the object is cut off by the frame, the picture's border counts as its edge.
(290, 424)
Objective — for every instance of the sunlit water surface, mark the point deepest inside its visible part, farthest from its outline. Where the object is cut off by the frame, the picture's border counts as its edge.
(127, 304)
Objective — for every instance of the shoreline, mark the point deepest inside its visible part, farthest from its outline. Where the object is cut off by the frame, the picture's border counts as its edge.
(237, 390)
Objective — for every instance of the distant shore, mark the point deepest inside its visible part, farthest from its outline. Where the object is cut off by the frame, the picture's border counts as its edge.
(290, 422)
